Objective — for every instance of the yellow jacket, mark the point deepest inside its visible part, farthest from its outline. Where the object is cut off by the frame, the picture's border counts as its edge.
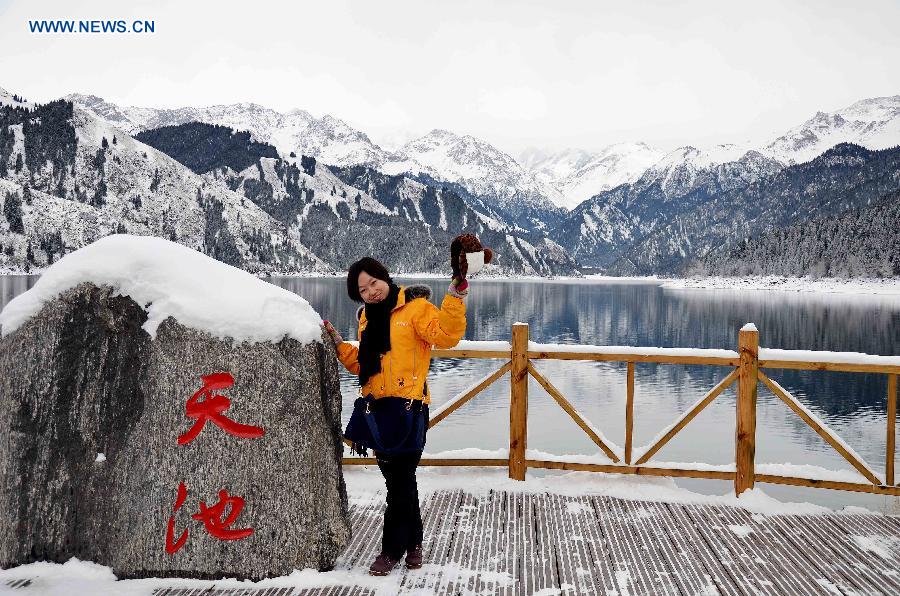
(416, 325)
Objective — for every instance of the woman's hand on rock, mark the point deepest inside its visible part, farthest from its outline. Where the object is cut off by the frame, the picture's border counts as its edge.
(333, 333)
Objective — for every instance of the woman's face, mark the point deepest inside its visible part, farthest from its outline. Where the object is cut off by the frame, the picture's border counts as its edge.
(372, 289)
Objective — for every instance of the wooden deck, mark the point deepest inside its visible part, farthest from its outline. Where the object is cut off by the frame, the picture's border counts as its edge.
(513, 543)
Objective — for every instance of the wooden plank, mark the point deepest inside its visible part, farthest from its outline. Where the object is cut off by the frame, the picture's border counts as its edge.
(489, 561)
(628, 568)
(599, 548)
(873, 548)
(891, 429)
(729, 577)
(451, 581)
(789, 573)
(610, 357)
(745, 413)
(433, 461)
(445, 525)
(823, 431)
(524, 541)
(572, 565)
(477, 354)
(518, 402)
(526, 545)
(629, 412)
(830, 366)
(848, 486)
(432, 509)
(363, 518)
(645, 550)
(592, 575)
(690, 415)
(827, 553)
(546, 543)
(511, 541)
(690, 548)
(573, 414)
(456, 402)
(478, 542)
(683, 570)
(636, 470)
(749, 578)
(886, 525)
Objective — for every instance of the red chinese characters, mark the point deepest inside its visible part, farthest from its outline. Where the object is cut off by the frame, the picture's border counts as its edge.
(213, 518)
(205, 406)
(173, 546)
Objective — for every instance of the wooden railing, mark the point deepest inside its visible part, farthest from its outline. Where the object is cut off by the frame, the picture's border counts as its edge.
(746, 370)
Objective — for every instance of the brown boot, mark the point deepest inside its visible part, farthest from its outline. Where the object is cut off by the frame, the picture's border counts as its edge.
(384, 564)
(414, 557)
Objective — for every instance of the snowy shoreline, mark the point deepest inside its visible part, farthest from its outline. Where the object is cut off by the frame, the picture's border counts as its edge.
(825, 285)
(888, 287)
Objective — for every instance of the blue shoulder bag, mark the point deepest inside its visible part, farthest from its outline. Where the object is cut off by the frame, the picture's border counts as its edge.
(389, 425)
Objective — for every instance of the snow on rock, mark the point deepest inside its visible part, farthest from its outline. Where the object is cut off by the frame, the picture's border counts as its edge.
(169, 279)
(101, 457)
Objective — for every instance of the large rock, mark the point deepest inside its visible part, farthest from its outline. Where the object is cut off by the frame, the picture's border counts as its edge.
(83, 378)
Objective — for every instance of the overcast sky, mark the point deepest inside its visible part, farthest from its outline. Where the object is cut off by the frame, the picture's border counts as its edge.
(515, 73)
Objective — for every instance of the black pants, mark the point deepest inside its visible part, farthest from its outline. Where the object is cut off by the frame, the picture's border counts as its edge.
(402, 517)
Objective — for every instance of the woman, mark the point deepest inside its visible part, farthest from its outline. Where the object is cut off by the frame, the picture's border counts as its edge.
(397, 328)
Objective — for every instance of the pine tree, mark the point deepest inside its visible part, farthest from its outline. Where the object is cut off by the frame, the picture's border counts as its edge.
(12, 209)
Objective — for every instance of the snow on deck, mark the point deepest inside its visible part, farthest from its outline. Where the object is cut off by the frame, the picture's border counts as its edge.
(595, 536)
(169, 279)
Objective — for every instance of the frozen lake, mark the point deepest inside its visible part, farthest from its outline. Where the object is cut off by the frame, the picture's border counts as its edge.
(643, 314)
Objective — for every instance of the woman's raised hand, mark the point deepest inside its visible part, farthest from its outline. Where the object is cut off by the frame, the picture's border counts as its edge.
(458, 287)
(333, 333)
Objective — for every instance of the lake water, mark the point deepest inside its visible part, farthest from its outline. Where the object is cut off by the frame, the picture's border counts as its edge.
(643, 314)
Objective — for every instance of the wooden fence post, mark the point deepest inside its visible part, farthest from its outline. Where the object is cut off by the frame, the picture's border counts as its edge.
(745, 425)
(518, 402)
(891, 429)
(629, 412)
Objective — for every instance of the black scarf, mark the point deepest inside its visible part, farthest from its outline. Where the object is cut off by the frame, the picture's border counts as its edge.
(376, 337)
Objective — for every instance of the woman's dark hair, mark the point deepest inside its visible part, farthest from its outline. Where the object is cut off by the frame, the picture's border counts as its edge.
(370, 266)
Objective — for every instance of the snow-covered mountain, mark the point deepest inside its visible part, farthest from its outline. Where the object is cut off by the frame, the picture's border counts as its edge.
(602, 229)
(871, 123)
(477, 167)
(69, 178)
(580, 174)
(481, 169)
(683, 169)
(328, 139)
